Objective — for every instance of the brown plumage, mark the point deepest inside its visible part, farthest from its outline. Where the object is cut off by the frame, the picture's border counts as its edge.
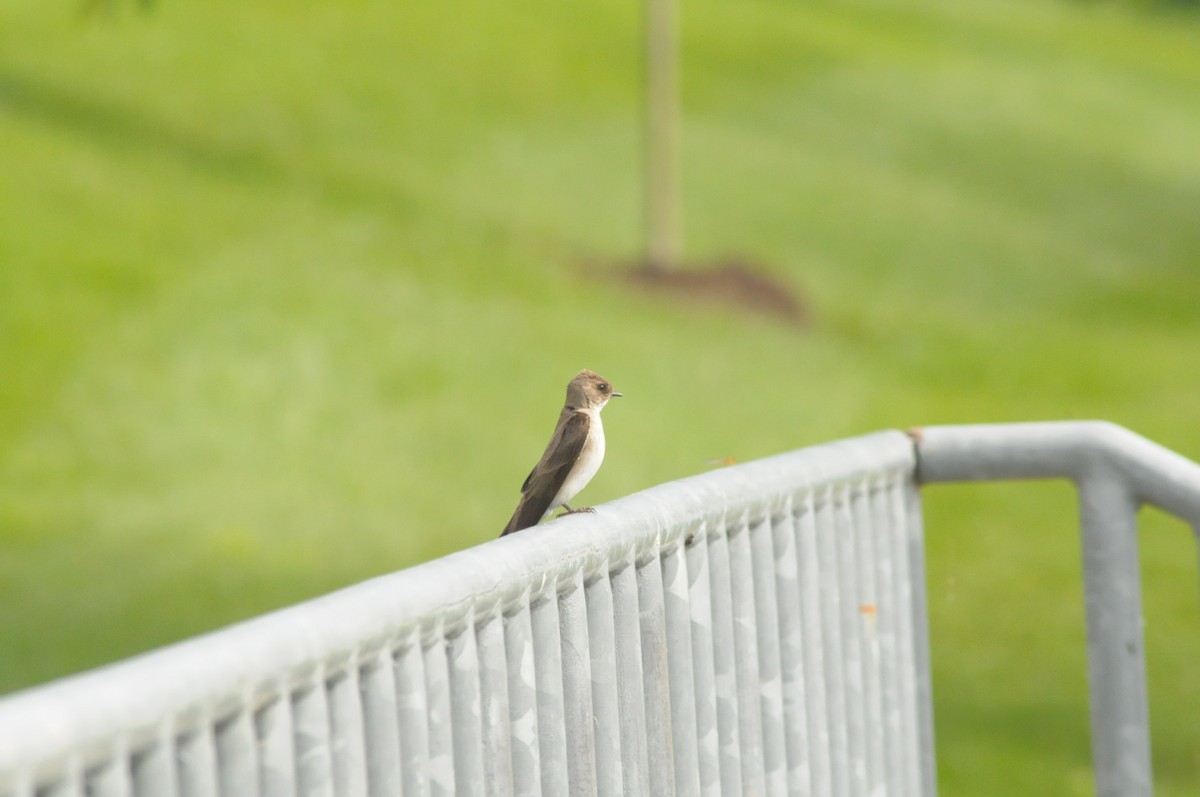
(572, 457)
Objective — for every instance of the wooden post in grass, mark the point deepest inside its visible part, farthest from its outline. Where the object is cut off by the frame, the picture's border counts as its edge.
(661, 172)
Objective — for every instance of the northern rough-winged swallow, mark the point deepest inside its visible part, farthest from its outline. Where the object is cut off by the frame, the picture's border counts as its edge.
(573, 456)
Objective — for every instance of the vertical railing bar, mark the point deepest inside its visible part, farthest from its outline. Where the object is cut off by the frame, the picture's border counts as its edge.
(770, 684)
(112, 778)
(812, 609)
(724, 660)
(548, 672)
(578, 715)
(70, 783)
(1116, 649)
(314, 758)
(417, 715)
(793, 702)
(237, 754)
(522, 666)
(656, 674)
(920, 640)
(274, 731)
(435, 652)
(825, 521)
(745, 649)
(18, 785)
(348, 748)
(677, 611)
(153, 767)
(377, 679)
(852, 644)
(631, 684)
(915, 639)
(898, 526)
(197, 760)
(886, 618)
(494, 709)
(700, 606)
(22, 785)
(605, 712)
(462, 662)
(867, 564)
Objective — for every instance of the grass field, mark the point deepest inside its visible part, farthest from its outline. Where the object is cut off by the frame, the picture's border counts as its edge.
(271, 272)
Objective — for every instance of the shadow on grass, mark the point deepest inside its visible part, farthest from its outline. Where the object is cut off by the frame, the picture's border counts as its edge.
(115, 126)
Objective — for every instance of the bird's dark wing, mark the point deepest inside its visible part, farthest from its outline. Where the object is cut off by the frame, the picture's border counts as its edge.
(547, 477)
(560, 455)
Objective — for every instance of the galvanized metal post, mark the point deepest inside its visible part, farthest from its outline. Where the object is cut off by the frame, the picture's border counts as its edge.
(1120, 717)
(1115, 471)
(926, 749)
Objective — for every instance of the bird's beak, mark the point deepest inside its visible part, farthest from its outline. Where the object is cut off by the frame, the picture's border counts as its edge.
(618, 395)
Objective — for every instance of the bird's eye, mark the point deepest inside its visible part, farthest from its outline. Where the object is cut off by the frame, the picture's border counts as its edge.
(603, 387)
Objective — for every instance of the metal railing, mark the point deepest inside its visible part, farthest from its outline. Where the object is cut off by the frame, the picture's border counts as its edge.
(757, 629)
(1115, 472)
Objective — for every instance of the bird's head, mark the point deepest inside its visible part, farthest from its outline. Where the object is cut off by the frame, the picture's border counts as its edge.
(589, 389)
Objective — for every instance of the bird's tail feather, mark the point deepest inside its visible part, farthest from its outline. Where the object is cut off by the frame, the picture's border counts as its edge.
(525, 515)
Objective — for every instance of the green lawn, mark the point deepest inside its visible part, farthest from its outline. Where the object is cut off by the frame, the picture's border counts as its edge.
(270, 271)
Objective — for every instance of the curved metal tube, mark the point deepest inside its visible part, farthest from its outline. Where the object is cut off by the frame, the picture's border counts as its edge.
(1115, 471)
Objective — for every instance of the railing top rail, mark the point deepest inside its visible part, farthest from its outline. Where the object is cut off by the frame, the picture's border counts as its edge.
(245, 662)
(1061, 449)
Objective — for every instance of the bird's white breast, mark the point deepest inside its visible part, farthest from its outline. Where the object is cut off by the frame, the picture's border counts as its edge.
(588, 463)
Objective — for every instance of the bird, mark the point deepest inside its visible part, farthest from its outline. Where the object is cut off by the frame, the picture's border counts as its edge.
(573, 456)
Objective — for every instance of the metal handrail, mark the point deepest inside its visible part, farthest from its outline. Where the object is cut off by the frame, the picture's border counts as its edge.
(1115, 472)
(757, 628)
(653, 639)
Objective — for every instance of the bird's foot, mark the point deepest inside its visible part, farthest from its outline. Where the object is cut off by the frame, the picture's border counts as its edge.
(571, 511)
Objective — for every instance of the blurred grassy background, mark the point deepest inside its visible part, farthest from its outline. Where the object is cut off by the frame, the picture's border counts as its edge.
(270, 272)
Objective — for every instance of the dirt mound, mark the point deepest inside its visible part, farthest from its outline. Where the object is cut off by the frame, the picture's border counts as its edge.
(735, 282)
